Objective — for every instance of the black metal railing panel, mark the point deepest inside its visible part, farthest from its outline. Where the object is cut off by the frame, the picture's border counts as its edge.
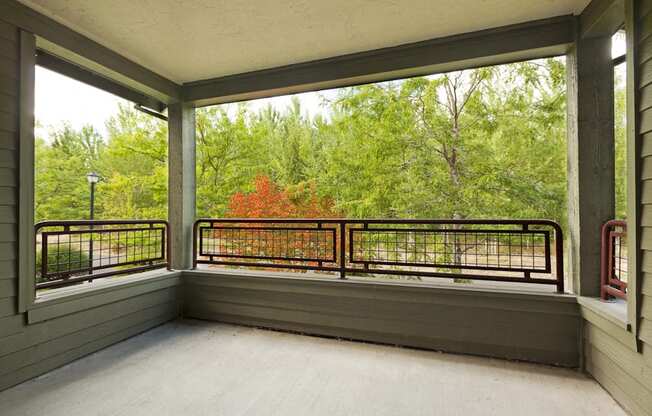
(70, 252)
(529, 251)
(282, 243)
(613, 268)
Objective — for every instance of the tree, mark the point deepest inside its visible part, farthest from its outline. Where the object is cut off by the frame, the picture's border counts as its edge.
(61, 189)
(477, 143)
(268, 200)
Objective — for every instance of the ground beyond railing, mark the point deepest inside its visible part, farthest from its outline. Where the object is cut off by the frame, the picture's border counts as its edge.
(613, 267)
(526, 251)
(71, 252)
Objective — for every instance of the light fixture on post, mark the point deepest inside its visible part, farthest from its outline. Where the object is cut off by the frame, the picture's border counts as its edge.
(92, 178)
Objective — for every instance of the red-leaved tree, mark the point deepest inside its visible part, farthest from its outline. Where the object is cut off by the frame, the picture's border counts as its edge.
(268, 200)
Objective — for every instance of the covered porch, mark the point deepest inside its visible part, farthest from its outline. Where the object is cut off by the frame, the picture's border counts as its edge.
(207, 368)
(372, 316)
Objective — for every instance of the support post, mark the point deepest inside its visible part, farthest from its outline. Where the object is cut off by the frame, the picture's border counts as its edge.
(591, 188)
(181, 183)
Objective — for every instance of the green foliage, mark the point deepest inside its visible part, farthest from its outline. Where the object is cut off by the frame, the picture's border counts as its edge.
(63, 259)
(479, 143)
(132, 164)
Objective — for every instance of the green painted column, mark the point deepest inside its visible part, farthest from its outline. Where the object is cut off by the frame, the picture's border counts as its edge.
(181, 182)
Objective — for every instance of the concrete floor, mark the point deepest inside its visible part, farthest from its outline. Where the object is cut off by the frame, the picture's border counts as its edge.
(203, 368)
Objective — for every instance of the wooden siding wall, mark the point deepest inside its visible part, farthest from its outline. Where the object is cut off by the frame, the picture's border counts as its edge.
(540, 328)
(26, 350)
(611, 358)
(644, 108)
(619, 362)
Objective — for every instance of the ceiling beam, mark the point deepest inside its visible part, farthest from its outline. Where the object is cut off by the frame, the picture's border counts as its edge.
(109, 63)
(505, 44)
(602, 18)
(63, 67)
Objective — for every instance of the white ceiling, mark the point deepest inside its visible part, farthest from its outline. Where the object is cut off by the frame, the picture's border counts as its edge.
(189, 40)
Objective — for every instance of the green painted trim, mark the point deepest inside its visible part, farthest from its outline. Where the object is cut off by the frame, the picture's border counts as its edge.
(26, 238)
(607, 324)
(613, 312)
(65, 302)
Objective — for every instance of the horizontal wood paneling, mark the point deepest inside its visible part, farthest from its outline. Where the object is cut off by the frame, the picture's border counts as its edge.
(646, 28)
(7, 251)
(8, 140)
(41, 332)
(8, 32)
(7, 214)
(624, 388)
(8, 50)
(7, 195)
(55, 306)
(646, 92)
(7, 306)
(9, 69)
(646, 307)
(645, 51)
(27, 350)
(7, 177)
(645, 333)
(644, 9)
(9, 123)
(532, 328)
(7, 287)
(646, 168)
(55, 346)
(639, 365)
(51, 363)
(7, 160)
(7, 270)
(628, 360)
(8, 86)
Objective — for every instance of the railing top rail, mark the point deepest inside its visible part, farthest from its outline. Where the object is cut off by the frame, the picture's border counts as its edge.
(58, 223)
(385, 221)
(614, 223)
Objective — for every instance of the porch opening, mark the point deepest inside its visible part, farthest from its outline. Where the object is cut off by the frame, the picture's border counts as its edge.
(482, 151)
(100, 197)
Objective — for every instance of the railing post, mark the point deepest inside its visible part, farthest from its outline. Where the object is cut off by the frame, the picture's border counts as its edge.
(44, 255)
(559, 258)
(195, 238)
(343, 249)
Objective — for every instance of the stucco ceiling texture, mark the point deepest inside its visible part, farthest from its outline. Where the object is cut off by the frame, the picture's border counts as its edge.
(189, 40)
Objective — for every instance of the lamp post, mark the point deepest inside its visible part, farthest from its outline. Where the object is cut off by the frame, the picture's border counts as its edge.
(92, 178)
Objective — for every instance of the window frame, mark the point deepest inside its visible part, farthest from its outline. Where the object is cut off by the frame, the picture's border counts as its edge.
(28, 300)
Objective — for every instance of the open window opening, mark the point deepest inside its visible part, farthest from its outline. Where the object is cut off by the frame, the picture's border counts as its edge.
(614, 256)
(466, 148)
(100, 194)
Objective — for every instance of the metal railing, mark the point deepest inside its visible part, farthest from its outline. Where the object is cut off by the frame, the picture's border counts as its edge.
(613, 259)
(71, 252)
(526, 251)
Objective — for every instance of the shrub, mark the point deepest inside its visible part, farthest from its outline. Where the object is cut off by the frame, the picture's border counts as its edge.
(61, 260)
